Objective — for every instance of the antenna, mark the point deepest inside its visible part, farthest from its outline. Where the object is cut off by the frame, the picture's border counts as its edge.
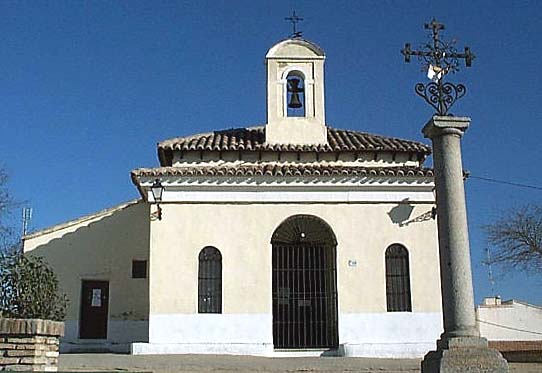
(489, 271)
(27, 217)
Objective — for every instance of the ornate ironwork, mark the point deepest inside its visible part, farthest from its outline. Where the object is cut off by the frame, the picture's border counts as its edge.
(428, 215)
(439, 58)
(294, 19)
(440, 95)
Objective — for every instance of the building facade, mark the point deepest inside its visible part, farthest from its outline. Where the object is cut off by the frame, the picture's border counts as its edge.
(510, 321)
(288, 238)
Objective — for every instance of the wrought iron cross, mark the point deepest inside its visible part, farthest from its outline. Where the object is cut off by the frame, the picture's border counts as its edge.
(294, 19)
(439, 58)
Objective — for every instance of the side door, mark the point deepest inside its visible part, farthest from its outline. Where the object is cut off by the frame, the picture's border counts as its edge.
(94, 309)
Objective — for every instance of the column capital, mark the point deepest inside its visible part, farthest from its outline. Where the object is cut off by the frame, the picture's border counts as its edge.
(445, 125)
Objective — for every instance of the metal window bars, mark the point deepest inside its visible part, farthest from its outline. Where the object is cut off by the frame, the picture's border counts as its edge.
(398, 297)
(210, 281)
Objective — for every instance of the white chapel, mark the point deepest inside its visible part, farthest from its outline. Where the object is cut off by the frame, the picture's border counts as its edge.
(289, 238)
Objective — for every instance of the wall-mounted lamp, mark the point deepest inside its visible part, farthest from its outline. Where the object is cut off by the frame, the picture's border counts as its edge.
(157, 189)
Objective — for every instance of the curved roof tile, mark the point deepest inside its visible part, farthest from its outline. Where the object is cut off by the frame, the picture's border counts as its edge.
(253, 138)
(284, 170)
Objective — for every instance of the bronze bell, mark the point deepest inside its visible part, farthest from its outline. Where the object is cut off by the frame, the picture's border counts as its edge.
(294, 89)
(294, 101)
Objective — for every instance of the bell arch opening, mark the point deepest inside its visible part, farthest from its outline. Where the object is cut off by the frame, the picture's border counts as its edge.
(295, 94)
(304, 282)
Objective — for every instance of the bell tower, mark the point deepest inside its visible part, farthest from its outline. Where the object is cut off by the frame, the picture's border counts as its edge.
(295, 93)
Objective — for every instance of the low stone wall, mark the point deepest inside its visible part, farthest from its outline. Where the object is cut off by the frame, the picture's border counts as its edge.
(29, 344)
(519, 351)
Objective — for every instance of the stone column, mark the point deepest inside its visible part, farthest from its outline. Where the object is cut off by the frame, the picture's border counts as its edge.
(460, 348)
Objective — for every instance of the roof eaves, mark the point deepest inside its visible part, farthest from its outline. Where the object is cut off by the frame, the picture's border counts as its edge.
(82, 219)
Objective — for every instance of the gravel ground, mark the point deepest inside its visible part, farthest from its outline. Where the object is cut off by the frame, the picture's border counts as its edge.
(229, 363)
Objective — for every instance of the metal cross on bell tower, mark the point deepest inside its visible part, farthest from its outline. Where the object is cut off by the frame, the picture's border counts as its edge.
(294, 19)
(439, 58)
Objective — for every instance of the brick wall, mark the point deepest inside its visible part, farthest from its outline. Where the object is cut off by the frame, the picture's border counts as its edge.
(29, 344)
(519, 351)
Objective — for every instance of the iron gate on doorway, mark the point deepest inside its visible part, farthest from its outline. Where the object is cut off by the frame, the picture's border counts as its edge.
(304, 288)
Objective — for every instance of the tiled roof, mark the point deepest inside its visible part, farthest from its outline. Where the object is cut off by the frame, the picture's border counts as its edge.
(253, 139)
(268, 169)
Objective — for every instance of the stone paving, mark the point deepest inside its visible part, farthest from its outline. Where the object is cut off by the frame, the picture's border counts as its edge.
(229, 363)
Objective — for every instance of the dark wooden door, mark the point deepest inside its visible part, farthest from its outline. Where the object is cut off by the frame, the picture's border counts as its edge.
(94, 306)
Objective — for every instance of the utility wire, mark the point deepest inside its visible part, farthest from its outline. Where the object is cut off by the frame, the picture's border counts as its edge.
(508, 327)
(505, 182)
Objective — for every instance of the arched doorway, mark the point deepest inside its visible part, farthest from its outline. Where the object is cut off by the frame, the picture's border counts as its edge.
(304, 284)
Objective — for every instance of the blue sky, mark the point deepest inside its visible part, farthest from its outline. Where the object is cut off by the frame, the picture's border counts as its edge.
(87, 89)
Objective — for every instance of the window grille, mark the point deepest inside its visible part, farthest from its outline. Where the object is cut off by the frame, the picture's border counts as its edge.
(210, 281)
(397, 279)
(304, 281)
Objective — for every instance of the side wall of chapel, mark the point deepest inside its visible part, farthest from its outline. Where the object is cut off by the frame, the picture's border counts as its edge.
(101, 248)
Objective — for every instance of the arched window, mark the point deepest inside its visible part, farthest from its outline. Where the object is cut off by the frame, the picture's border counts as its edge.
(210, 281)
(397, 279)
(295, 94)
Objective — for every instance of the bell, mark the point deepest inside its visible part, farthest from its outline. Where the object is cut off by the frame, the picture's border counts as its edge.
(294, 101)
(294, 89)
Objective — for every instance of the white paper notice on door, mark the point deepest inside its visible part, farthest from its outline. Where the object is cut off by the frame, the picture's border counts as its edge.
(96, 300)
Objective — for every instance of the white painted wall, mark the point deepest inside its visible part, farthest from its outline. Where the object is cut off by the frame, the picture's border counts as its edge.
(510, 321)
(389, 334)
(242, 231)
(248, 157)
(211, 328)
(392, 334)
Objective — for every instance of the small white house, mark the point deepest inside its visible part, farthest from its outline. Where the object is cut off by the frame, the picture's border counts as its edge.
(293, 237)
(510, 320)
(512, 327)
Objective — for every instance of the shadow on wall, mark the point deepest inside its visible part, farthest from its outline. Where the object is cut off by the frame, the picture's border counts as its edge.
(401, 214)
(104, 250)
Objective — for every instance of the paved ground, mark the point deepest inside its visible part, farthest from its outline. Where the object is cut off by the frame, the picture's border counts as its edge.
(228, 363)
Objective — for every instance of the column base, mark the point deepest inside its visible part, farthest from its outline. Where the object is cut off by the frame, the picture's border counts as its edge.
(464, 354)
